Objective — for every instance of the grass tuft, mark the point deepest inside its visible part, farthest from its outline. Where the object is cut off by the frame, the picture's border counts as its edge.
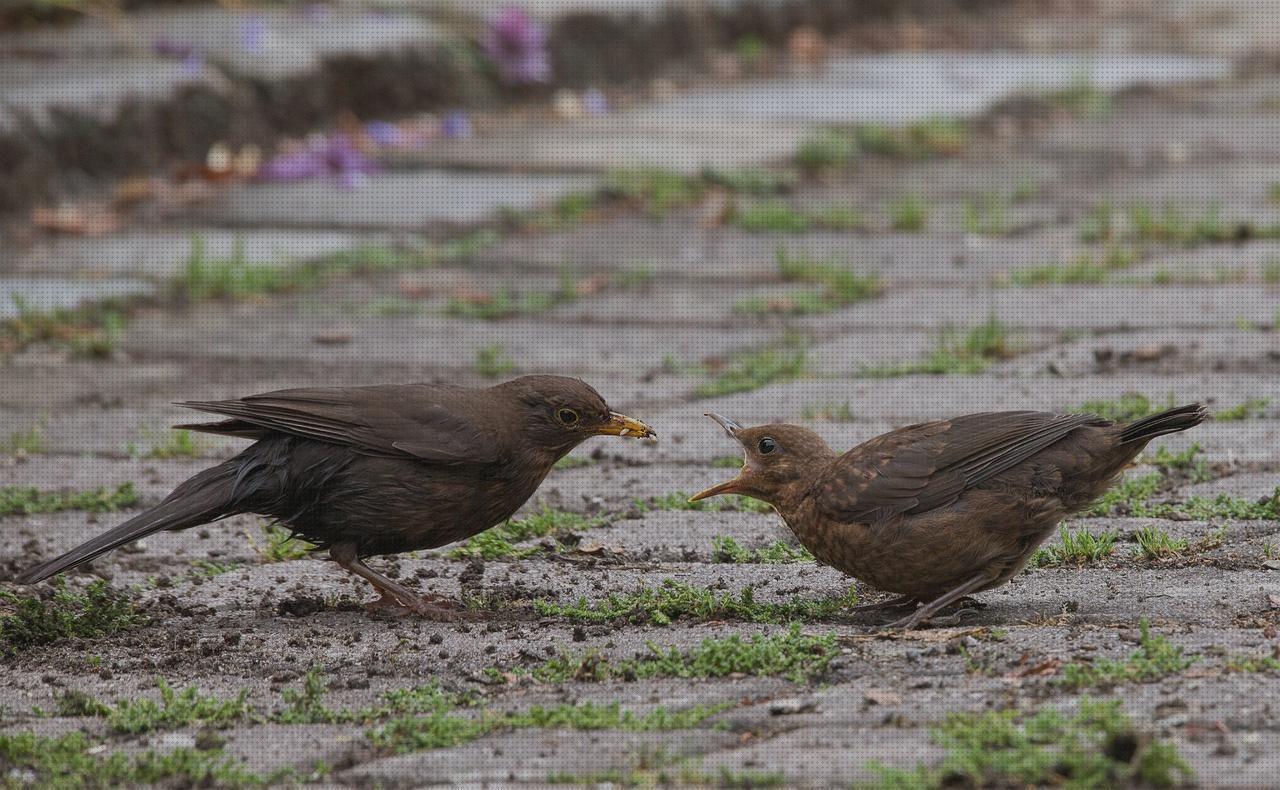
(500, 542)
(1095, 747)
(791, 654)
(26, 501)
(98, 611)
(494, 361)
(674, 600)
(1079, 547)
(279, 544)
(1155, 658)
(726, 549)
(751, 370)
(72, 760)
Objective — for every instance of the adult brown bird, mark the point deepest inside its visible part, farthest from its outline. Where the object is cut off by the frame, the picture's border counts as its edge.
(939, 510)
(364, 471)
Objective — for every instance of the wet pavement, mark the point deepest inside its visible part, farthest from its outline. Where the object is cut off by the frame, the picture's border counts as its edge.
(651, 307)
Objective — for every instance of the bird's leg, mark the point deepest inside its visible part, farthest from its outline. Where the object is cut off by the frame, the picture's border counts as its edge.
(892, 603)
(933, 607)
(392, 593)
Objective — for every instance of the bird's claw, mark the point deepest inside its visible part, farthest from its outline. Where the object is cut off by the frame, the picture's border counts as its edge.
(438, 609)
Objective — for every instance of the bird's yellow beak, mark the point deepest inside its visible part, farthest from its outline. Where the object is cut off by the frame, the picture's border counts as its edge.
(622, 425)
(727, 487)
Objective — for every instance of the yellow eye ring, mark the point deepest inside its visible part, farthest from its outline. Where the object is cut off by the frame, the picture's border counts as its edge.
(567, 416)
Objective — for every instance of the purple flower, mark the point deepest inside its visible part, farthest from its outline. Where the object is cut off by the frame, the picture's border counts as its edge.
(518, 46)
(172, 47)
(594, 102)
(193, 64)
(253, 32)
(384, 133)
(335, 155)
(456, 126)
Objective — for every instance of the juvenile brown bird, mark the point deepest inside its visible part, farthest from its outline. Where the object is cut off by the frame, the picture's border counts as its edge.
(939, 510)
(378, 470)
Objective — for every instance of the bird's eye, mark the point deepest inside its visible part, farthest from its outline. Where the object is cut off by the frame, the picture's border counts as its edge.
(767, 445)
(567, 416)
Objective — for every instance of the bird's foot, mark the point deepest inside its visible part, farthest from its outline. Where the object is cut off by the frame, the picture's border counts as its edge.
(431, 607)
(892, 603)
(924, 615)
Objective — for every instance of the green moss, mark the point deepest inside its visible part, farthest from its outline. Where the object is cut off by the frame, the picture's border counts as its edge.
(1096, 747)
(174, 709)
(908, 214)
(493, 361)
(1155, 658)
(790, 654)
(751, 370)
(91, 331)
(772, 217)
(500, 542)
(98, 611)
(179, 443)
(279, 544)
(1130, 406)
(25, 501)
(1251, 409)
(679, 500)
(751, 180)
(956, 353)
(654, 189)
(442, 728)
(1083, 97)
(826, 149)
(73, 760)
(28, 442)
(674, 600)
(987, 216)
(726, 549)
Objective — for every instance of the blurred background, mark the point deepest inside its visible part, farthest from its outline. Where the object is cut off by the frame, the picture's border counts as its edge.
(688, 199)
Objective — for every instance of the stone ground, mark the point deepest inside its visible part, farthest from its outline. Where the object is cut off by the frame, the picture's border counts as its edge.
(657, 313)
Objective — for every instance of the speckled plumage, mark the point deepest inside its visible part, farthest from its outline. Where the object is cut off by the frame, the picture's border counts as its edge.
(939, 510)
(374, 470)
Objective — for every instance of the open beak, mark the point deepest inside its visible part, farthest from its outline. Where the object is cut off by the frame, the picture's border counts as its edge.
(728, 486)
(622, 425)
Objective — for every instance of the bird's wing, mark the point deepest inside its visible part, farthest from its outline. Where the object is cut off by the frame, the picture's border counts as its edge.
(433, 423)
(926, 466)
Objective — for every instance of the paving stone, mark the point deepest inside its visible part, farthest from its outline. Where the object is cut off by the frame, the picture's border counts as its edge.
(1153, 351)
(620, 141)
(903, 87)
(677, 247)
(264, 43)
(534, 757)
(388, 201)
(165, 252)
(34, 91)
(45, 294)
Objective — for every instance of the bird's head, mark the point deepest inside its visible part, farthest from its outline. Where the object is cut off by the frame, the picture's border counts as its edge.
(559, 413)
(779, 462)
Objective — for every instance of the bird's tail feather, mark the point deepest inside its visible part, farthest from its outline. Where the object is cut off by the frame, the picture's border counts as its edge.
(1176, 419)
(203, 498)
